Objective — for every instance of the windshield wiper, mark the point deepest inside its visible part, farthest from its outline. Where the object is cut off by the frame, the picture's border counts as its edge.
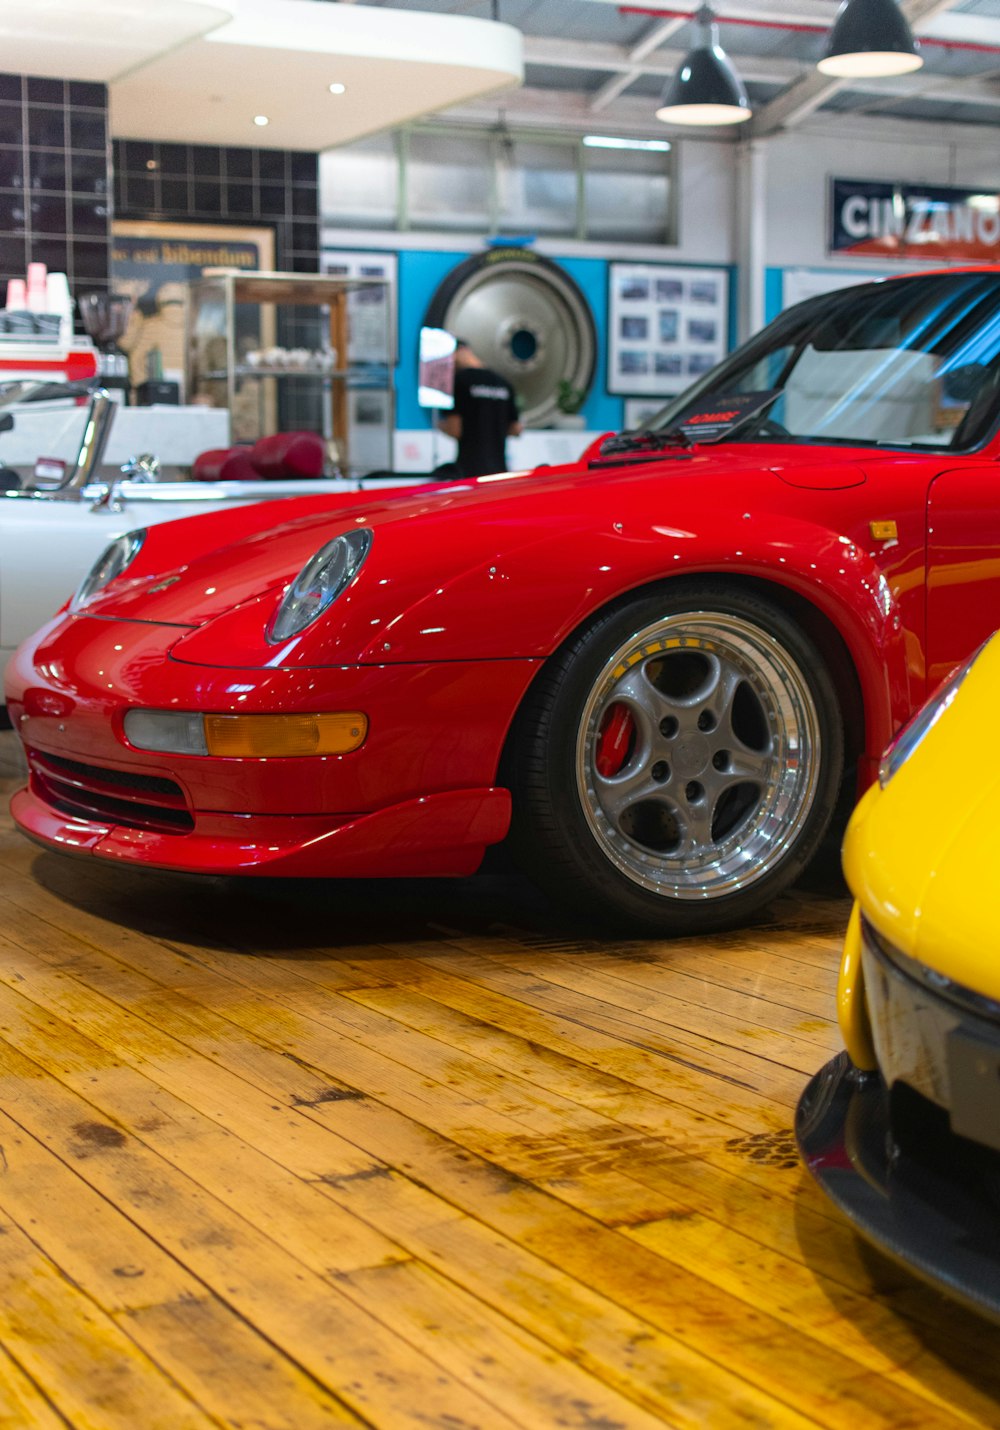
(645, 440)
(717, 417)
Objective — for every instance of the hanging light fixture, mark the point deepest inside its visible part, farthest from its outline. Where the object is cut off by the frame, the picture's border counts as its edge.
(870, 38)
(706, 89)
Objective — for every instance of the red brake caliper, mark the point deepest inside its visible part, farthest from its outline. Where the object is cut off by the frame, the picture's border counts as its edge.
(614, 740)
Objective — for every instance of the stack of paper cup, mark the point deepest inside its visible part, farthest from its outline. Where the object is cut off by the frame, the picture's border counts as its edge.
(17, 295)
(38, 297)
(59, 302)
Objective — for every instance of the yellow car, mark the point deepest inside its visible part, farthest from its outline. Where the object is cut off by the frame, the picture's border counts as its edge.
(903, 1130)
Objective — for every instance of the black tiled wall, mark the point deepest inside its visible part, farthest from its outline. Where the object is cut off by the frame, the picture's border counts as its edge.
(56, 191)
(213, 184)
(210, 183)
(55, 180)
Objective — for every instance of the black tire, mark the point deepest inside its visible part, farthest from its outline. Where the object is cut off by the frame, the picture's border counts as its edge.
(730, 736)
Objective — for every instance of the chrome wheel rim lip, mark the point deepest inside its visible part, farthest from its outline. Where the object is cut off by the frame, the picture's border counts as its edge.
(759, 842)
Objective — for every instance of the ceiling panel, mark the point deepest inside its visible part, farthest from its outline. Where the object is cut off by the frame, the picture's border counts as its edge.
(557, 78)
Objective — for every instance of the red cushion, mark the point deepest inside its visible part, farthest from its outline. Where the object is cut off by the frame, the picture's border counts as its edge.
(289, 454)
(224, 464)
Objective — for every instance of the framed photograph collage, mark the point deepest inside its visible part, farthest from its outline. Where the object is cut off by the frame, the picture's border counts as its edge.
(666, 326)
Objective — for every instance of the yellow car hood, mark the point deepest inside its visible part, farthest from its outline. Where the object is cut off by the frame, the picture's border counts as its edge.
(921, 855)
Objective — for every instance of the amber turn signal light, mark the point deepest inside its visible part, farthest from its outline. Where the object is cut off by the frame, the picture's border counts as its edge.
(261, 736)
(245, 736)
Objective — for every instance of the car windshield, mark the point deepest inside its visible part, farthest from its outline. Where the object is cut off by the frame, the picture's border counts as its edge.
(911, 362)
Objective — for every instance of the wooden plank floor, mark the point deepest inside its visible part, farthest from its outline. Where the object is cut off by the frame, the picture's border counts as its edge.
(283, 1156)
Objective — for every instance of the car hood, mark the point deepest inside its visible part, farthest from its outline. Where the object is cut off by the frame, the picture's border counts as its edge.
(447, 552)
(192, 570)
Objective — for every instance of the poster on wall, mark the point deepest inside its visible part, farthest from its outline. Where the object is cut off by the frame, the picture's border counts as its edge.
(154, 263)
(666, 326)
(798, 284)
(872, 219)
(372, 311)
(640, 411)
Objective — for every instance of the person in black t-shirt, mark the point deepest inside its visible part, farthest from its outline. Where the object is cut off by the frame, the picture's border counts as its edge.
(484, 416)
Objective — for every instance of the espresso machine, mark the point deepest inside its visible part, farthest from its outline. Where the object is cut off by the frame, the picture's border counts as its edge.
(105, 317)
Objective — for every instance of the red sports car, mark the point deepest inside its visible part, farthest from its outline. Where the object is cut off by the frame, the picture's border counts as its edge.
(656, 671)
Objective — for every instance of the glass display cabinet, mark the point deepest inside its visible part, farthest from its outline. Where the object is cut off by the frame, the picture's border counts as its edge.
(290, 351)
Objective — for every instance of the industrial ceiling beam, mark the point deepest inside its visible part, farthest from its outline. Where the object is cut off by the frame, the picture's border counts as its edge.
(565, 109)
(960, 26)
(588, 55)
(591, 55)
(657, 35)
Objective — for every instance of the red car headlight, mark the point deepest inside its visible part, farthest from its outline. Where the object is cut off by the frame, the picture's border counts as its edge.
(318, 584)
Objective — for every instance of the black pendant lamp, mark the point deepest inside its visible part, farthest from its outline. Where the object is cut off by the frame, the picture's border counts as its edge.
(706, 89)
(870, 38)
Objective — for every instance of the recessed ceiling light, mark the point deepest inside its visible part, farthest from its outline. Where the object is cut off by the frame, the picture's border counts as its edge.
(337, 88)
(261, 119)
(150, 163)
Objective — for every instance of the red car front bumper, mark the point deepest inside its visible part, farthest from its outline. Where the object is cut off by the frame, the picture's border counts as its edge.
(418, 798)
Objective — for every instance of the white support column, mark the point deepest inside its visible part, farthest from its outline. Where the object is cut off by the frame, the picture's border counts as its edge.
(751, 234)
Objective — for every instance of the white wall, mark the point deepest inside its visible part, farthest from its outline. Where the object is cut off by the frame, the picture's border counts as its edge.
(706, 172)
(797, 168)
(800, 164)
(706, 175)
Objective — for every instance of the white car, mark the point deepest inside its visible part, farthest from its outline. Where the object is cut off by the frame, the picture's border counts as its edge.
(50, 536)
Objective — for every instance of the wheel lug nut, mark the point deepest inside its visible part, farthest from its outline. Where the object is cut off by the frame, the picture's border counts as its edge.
(669, 727)
(706, 720)
(660, 771)
(720, 759)
(693, 792)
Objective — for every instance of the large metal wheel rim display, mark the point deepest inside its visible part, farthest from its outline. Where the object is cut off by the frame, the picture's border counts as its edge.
(657, 817)
(541, 334)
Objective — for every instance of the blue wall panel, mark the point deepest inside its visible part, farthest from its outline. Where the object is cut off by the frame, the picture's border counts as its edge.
(603, 413)
(420, 273)
(774, 279)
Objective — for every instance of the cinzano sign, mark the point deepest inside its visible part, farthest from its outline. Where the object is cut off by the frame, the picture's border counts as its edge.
(912, 221)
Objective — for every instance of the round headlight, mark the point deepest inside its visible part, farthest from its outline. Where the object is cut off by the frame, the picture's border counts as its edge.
(916, 730)
(112, 561)
(318, 584)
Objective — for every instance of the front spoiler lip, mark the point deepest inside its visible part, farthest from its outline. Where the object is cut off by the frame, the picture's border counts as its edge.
(921, 1217)
(440, 835)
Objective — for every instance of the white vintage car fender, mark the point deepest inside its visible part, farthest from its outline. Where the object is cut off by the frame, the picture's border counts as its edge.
(50, 538)
(48, 544)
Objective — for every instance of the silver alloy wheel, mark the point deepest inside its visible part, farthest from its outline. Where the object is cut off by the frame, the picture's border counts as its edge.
(716, 764)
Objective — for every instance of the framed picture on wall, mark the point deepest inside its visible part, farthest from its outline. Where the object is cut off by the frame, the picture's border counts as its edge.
(666, 326)
(154, 263)
(798, 284)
